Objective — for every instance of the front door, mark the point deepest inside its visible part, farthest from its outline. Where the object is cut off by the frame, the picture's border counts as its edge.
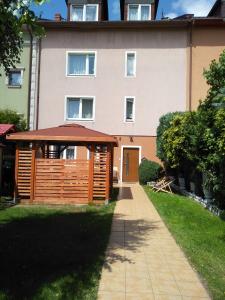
(130, 164)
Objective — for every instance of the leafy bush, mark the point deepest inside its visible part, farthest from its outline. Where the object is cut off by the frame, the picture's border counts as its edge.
(8, 116)
(149, 171)
(164, 124)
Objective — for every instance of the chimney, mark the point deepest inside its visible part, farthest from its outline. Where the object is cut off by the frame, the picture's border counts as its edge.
(58, 17)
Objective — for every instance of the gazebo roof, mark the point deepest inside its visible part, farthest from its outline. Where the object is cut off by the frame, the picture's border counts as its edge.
(66, 133)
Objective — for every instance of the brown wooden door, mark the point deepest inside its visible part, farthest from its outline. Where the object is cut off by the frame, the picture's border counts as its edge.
(130, 164)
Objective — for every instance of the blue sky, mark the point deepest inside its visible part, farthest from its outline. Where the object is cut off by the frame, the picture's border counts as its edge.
(171, 8)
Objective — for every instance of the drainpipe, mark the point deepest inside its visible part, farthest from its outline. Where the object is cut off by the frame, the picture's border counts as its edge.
(30, 74)
(190, 64)
(38, 84)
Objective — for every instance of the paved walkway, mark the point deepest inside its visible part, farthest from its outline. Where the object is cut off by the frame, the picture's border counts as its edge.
(142, 260)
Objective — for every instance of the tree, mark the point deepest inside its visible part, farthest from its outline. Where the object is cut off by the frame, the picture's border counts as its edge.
(14, 15)
(8, 116)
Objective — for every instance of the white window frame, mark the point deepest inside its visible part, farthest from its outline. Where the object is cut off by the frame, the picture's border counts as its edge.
(139, 12)
(80, 109)
(125, 109)
(22, 75)
(84, 12)
(75, 152)
(135, 63)
(85, 52)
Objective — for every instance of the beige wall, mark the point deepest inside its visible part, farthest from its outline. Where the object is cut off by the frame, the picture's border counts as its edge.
(159, 86)
(208, 43)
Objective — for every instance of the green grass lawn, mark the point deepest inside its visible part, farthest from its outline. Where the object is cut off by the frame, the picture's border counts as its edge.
(199, 233)
(52, 253)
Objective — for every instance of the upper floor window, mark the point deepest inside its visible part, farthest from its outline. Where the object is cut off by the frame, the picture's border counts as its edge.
(130, 64)
(81, 64)
(81, 108)
(87, 12)
(139, 12)
(129, 109)
(15, 78)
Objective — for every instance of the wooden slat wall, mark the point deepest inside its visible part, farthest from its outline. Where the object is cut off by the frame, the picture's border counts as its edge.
(61, 181)
(100, 177)
(24, 172)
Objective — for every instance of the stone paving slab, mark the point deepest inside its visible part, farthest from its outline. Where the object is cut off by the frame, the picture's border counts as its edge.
(143, 260)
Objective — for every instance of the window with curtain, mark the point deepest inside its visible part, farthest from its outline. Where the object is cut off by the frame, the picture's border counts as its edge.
(81, 64)
(87, 12)
(68, 153)
(133, 12)
(80, 108)
(129, 113)
(15, 78)
(145, 9)
(138, 12)
(130, 64)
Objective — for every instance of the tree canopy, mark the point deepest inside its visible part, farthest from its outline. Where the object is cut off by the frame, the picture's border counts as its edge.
(14, 15)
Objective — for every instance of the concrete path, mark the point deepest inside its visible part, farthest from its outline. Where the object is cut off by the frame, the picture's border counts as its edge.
(143, 260)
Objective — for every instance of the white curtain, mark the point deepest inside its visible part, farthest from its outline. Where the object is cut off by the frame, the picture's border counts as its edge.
(77, 13)
(91, 11)
(144, 12)
(73, 106)
(77, 64)
(87, 108)
(130, 64)
(133, 12)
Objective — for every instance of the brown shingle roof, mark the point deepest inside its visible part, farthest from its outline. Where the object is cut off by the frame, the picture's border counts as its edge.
(67, 133)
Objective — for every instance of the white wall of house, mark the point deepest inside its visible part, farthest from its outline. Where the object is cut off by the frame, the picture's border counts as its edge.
(160, 84)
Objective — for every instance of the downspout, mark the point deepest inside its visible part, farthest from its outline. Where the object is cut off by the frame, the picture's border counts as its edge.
(38, 84)
(30, 74)
(190, 64)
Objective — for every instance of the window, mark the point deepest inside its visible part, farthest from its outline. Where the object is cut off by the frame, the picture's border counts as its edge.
(130, 64)
(80, 108)
(15, 78)
(69, 153)
(88, 12)
(81, 64)
(129, 109)
(139, 12)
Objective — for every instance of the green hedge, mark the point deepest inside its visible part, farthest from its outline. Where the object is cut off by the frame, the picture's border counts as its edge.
(149, 171)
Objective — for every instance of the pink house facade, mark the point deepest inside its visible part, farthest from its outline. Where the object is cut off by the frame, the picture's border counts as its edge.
(114, 78)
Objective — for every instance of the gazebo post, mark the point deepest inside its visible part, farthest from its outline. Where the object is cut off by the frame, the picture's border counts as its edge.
(16, 173)
(108, 173)
(32, 188)
(91, 174)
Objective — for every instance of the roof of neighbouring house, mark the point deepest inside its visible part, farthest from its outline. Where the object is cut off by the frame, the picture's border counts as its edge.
(6, 128)
(66, 132)
(213, 9)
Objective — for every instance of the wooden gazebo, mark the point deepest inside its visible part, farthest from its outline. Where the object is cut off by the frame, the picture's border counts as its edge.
(43, 176)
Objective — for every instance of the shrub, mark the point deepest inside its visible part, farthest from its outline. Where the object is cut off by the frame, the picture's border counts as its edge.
(149, 171)
(8, 116)
(164, 124)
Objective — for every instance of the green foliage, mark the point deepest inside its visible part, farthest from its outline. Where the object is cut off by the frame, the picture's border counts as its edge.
(8, 116)
(149, 171)
(164, 123)
(14, 15)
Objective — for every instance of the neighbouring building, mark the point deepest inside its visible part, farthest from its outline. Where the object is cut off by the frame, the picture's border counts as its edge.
(18, 89)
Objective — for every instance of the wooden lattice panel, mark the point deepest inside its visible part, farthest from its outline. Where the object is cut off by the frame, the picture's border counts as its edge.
(24, 172)
(100, 175)
(61, 181)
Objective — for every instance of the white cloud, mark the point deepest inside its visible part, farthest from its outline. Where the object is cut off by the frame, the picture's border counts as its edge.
(115, 7)
(199, 8)
(171, 15)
